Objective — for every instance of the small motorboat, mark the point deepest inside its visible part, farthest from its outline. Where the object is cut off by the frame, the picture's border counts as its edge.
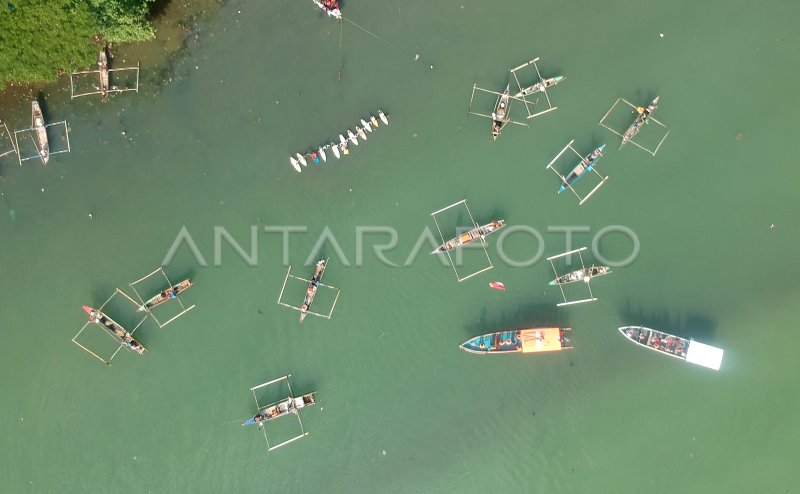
(366, 125)
(321, 152)
(383, 117)
(335, 149)
(301, 159)
(373, 121)
(352, 137)
(295, 164)
(361, 133)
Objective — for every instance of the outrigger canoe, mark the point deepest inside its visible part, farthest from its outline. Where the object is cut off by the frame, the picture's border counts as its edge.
(467, 237)
(540, 86)
(500, 113)
(37, 123)
(533, 340)
(313, 286)
(585, 165)
(115, 330)
(641, 119)
(280, 409)
(166, 295)
(581, 275)
(674, 346)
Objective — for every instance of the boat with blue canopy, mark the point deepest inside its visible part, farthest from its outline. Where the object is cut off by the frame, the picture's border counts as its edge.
(531, 340)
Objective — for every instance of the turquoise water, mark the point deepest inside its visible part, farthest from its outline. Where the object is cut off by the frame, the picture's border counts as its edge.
(401, 408)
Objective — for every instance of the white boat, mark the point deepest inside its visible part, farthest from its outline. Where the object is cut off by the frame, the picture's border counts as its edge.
(295, 165)
(366, 125)
(335, 149)
(322, 153)
(674, 346)
(301, 159)
(374, 121)
(361, 133)
(330, 7)
(352, 137)
(383, 117)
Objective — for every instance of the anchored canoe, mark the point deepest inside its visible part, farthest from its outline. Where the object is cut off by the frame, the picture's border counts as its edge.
(37, 123)
(641, 119)
(285, 407)
(532, 340)
(114, 329)
(674, 346)
(313, 286)
(581, 275)
(467, 237)
(166, 295)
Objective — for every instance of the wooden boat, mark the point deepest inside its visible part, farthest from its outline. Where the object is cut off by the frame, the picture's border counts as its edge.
(532, 340)
(383, 117)
(674, 346)
(366, 125)
(282, 408)
(352, 137)
(335, 149)
(115, 330)
(39, 128)
(500, 113)
(581, 275)
(102, 63)
(330, 7)
(584, 166)
(166, 295)
(641, 119)
(467, 237)
(540, 86)
(313, 286)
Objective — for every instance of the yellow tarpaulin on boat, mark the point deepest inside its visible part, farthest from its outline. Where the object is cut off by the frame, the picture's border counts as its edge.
(540, 340)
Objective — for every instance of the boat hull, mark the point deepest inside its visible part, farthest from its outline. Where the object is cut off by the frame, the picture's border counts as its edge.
(335, 149)
(585, 165)
(470, 236)
(531, 340)
(674, 346)
(165, 296)
(39, 128)
(383, 117)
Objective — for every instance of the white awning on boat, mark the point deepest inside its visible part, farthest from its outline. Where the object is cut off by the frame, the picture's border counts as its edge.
(705, 355)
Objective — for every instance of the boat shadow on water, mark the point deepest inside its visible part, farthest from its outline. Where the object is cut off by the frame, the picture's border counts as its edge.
(690, 325)
(524, 316)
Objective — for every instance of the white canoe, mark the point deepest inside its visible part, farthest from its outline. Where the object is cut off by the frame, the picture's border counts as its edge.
(322, 153)
(301, 159)
(383, 117)
(352, 137)
(361, 133)
(366, 125)
(295, 165)
(335, 149)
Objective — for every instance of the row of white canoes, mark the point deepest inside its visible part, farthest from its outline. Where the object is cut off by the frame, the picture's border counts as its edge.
(298, 161)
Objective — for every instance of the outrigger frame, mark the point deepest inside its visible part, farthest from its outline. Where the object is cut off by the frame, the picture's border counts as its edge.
(10, 139)
(564, 179)
(591, 298)
(117, 291)
(507, 120)
(280, 296)
(184, 309)
(632, 141)
(111, 89)
(550, 106)
(474, 225)
(37, 155)
(260, 407)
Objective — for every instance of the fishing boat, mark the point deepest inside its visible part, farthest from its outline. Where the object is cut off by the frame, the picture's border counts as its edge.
(114, 329)
(102, 64)
(585, 165)
(330, 7)
(641, 119)
(383, 117)
(581, 275)
(322, 154)
(352, 137)
(37, 122)
(500, 113)
(166, 295)
(674, 346)
(467, 237)
(335, 149)
(301, 159)
(313, 286)
(373, 121)
(540, 86)
(295, 164)
(280, 409)
(532, 340)
(361, 133)
(366, 125)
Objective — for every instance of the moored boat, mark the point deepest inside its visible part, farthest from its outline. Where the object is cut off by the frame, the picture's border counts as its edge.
(114, 329)
(313, 286)
(531, 340)
(352, 137)
(280, 409)
(383, 117)
(335, 149)
(37, 123)
(581, 275)
(295, 164)
(322, 154)
(366, 125)
(166, 295)
(330, 7)
(467, 237)
(361, 133)
(641, 118)
(540, 86)
(585, 165)
(373, 121)
(102, 63)
(301, 159)
(674, 346)
(500, 113)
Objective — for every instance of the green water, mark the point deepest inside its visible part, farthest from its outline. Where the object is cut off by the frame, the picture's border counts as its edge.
(401, 408)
